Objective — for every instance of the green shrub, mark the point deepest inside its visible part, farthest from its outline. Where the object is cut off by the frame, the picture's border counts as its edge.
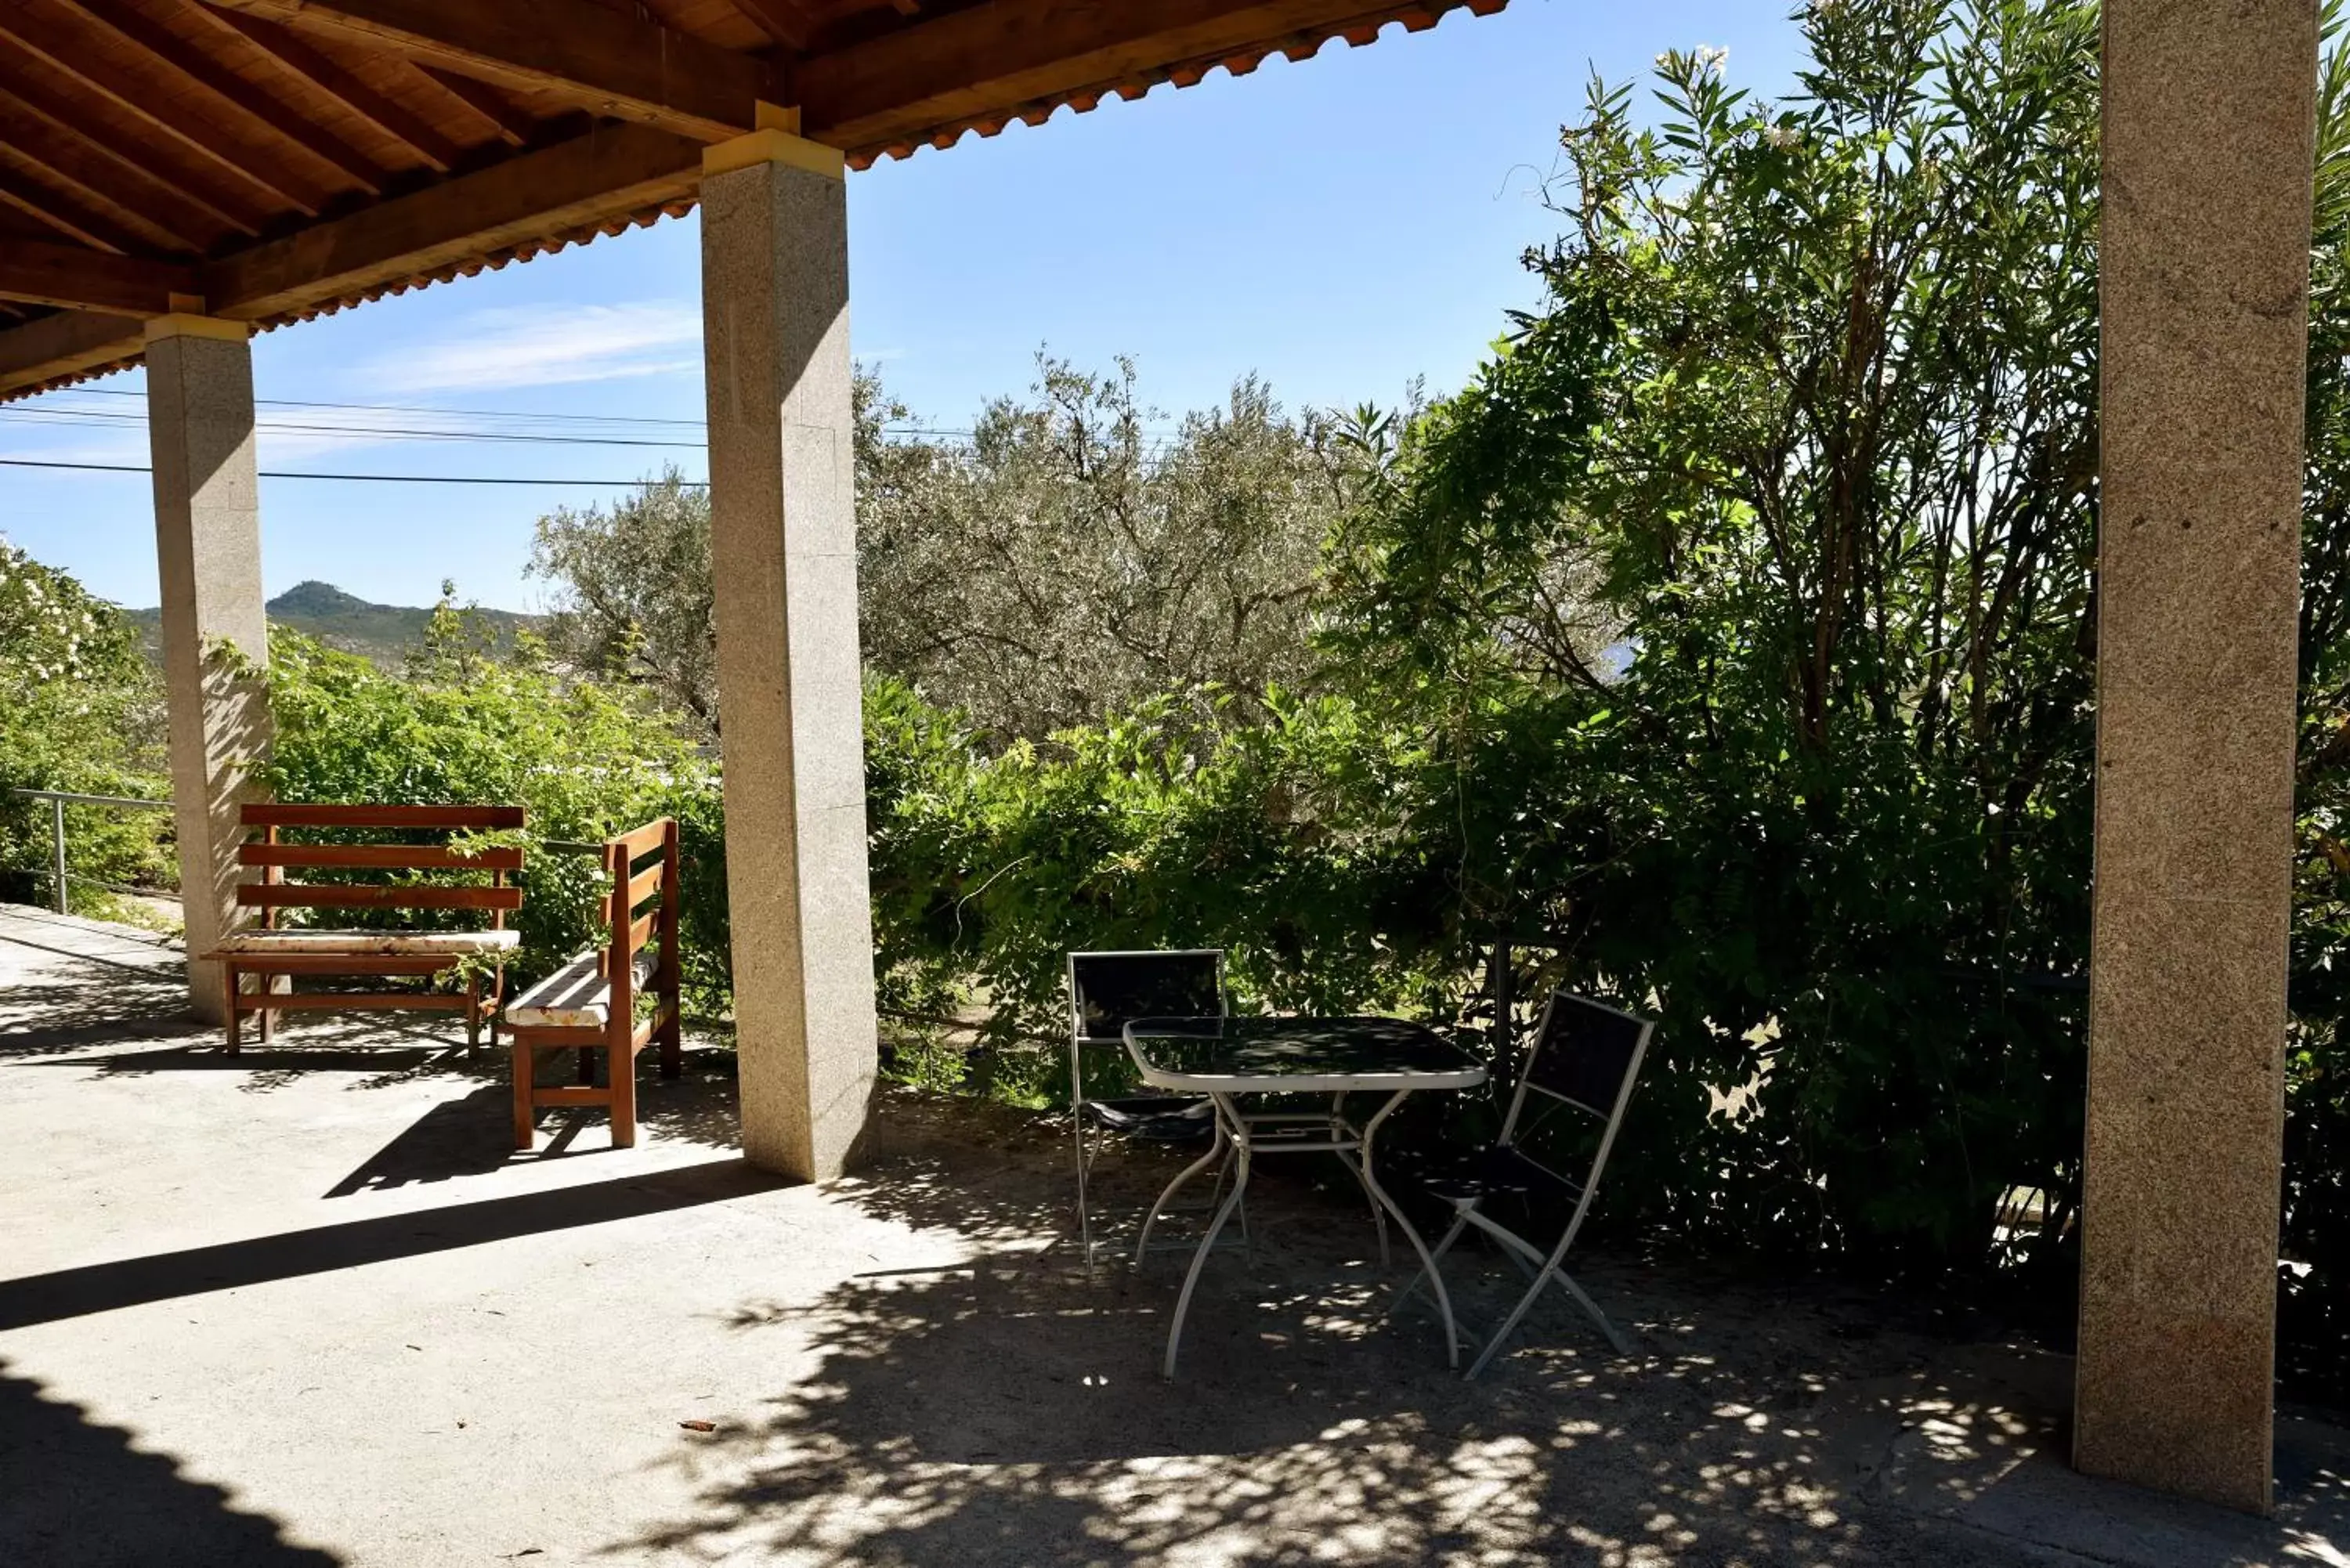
(80, 711)
(469, 724)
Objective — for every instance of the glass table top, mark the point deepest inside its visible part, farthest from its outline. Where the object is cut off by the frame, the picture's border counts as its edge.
(1246, 1054)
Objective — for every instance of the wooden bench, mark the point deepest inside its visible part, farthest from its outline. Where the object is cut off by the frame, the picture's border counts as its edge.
(270, 952)
(589, 1006)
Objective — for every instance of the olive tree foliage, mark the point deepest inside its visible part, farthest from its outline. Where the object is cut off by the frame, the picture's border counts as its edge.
(1065, 565)
(631, 594)
(1058, 564)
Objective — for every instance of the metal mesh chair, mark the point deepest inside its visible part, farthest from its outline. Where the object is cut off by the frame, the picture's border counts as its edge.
(1106, 991)
(1584, 1062)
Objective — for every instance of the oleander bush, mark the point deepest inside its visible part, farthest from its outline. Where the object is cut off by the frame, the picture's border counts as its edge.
(80, 711)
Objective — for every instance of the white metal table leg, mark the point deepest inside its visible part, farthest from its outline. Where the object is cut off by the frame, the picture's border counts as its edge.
(1340, 1132)
(1460, 1223)
(1224, 1109)
(1435, 1280)
(1215, 1151)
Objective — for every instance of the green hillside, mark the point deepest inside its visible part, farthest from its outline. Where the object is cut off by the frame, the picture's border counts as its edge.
(382, 633)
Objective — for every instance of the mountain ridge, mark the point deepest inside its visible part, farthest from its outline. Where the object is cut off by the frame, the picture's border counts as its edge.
(383, 634)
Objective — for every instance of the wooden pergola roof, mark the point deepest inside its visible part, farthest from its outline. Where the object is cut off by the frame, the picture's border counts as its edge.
(267, 160)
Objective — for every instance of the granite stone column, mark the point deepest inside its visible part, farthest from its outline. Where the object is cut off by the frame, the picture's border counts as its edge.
(783, 545)
(2208, 150)
(215, 634)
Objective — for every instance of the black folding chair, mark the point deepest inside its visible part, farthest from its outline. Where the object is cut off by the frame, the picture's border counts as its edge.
(1585, 1059)
(1106, 991)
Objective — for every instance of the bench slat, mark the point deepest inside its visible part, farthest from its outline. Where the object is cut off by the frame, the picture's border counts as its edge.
(328, 896)
(640, 932)
(340, 963)
(643, 884)
(571, 1094)
(278, 814)
(649, 835)
(336, 1000)
(391, 857)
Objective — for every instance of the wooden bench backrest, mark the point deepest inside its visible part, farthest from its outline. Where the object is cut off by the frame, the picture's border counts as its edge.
(273, 892)
(644, 867)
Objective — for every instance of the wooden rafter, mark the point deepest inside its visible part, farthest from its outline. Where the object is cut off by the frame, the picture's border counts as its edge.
(67, 123)
(225, 87)
(396, 120)
(608, 61)
(791, 23)
(486, 102)
(60, 158)
(82, 279)
(66, 52)
(66, 216)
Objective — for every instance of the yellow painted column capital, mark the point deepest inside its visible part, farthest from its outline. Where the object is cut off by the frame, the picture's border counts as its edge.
(183, 324)
(777, 140)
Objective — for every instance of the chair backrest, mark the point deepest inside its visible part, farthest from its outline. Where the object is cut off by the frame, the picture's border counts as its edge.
(1109, 989)
(643, 910)
(275, 858)
(1587, 1056)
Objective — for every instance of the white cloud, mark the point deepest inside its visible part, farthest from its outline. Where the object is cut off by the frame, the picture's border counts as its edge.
(544, 345)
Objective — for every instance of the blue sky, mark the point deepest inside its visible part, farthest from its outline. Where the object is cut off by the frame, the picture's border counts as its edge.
(1338, 226)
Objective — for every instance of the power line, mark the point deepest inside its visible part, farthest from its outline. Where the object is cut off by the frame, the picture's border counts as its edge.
(421, 409)
(512, 414)
(269, 427)
(112, 420)
(358, 478)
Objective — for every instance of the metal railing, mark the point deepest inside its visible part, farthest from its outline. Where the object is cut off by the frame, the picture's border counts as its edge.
(60, 876)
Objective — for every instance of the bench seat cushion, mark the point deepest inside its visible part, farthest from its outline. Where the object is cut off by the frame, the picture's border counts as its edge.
(260, 943)
(574, 997)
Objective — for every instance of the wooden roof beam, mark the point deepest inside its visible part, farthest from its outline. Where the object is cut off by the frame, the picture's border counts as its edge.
(66, 52)
(66, 344)
(991, 59)
(396, 120)
(225, 87)
(611, 173)
(82, 279)
(611, 62)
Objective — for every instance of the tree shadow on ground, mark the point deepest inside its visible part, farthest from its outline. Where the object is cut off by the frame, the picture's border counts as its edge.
(80, 1493)
(42, 1016)
(1005, 1407)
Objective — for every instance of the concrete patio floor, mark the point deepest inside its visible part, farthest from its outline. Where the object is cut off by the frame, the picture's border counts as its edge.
(305, 1306)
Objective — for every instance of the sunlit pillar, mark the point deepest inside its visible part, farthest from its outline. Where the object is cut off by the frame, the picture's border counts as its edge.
(215, 633)
(774, 280)
(2209, 115)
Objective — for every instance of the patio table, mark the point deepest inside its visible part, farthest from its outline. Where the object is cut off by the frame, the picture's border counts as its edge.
(1225, 1058)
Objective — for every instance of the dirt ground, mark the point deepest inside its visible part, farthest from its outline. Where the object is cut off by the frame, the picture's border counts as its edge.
(306, 1306)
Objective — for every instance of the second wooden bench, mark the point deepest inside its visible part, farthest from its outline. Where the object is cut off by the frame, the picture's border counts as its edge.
(589, 1006)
